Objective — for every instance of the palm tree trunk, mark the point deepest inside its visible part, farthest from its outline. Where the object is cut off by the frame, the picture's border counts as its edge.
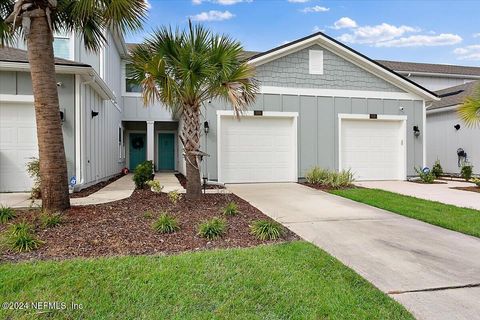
(191, 140)
(53, 165)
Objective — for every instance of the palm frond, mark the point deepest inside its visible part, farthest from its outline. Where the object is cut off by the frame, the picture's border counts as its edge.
(469, 111)
(7, 31)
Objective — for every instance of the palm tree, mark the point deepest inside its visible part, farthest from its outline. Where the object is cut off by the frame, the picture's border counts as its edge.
(469, 111)
(36, 21)
(185, 69)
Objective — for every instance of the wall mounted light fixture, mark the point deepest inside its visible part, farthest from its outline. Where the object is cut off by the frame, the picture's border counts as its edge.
(206, 127)
(416, 131)
(457, 127)
(94, 114)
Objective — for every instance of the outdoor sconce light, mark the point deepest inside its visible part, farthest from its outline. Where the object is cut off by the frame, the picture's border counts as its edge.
(457, 127)
(416, 131)
(94, 114)
(206, 127)
(62, 115)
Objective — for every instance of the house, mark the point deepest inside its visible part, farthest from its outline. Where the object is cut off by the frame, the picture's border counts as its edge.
(320, 103)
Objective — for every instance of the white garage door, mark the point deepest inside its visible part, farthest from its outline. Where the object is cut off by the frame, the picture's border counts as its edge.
(257, 149)
(373, 149)
(18, 143)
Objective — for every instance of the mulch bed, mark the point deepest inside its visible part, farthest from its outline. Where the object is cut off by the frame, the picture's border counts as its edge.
(471, 189)
(434, 182)
(325, 188)
(183, 182)
(92, 189)
(123, 228)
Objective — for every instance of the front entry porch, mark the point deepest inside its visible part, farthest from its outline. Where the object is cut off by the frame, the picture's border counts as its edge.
(156, 141)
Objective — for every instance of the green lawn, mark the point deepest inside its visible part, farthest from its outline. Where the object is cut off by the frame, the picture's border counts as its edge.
(285, 281)
(447, 216)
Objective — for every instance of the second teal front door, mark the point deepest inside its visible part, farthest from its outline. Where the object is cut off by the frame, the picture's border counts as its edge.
(166, 151)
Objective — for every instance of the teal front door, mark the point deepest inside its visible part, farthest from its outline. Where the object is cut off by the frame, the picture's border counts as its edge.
(138, 147)
(166, 151)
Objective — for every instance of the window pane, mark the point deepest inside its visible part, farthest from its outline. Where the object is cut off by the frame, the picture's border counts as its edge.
(61, 48)
(131, 86)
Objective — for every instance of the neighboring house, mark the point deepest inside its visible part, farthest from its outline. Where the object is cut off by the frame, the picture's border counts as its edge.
(321, 103)
(447, 133)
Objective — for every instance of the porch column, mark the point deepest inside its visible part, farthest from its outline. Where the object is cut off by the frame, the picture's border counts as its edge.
(151, 140)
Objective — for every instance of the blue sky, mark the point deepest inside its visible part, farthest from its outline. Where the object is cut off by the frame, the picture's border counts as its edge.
(421, 31)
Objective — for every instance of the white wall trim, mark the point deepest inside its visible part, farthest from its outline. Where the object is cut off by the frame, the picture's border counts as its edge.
(339, 93)
(78, 131)
(366, 117)
(439, 75)
(424, 135)
(446, 109)
(276, 114)
(20, 98)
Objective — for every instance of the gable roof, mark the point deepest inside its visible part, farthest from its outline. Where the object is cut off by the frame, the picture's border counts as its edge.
(9, 54)
(454, 96)
(349, 54)
(416, 67)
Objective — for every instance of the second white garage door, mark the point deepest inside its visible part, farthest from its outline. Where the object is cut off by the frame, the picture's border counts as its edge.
(373, 149)
(257, 149)
(18, 143)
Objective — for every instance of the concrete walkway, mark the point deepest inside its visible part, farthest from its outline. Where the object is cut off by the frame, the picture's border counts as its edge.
(397, 254)
(117, 190)
(169, 182)
(435, 192)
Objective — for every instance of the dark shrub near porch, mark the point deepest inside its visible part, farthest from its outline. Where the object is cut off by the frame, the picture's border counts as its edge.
(143, 173)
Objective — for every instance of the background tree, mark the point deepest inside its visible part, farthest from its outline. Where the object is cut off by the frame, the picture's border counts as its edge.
(469, 111)
(36, 21)
(185, 69)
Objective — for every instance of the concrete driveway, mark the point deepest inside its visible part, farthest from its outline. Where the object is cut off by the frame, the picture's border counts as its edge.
(434, 272)
(435, 192)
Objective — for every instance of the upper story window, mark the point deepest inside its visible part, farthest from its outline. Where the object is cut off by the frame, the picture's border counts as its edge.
(62, 46)
(315, 61)
(130, 84)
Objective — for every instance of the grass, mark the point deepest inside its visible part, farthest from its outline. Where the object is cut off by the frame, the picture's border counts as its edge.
(443, 215)
(285, 281)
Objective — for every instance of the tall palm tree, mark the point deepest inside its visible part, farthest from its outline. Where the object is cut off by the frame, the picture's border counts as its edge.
(469, 111)
(185, 69)
(36, 21)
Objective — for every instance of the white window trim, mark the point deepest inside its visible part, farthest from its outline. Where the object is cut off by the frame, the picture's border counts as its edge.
(124, 85)
(402, 118)
(272, 114)
(71, 47)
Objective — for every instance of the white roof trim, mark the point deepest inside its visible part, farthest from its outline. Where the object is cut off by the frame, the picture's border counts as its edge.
(348, 55)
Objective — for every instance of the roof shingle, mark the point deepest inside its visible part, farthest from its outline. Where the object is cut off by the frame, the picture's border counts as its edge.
(8, 54)
(454, 95)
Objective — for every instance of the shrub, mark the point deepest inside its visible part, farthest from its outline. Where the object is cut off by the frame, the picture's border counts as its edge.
(174, 196)
(166, 224)
(33, 170)
(50, 220)
(20, 238)
(155, 185)
(426, 176)
(466, 171)
(6, 214)
(267, 230)
(231, 209)
(329, 178)
(212, 229)
(437, 169)
(143, 173)
(476, 181)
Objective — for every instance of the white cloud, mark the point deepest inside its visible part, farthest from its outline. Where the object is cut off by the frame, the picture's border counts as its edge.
(444, 39)
(476, 35)
(344, 22)
(471, 52)
(315, 9)
(213, 15)
(298, 1)
(221, 2)
(375, 34)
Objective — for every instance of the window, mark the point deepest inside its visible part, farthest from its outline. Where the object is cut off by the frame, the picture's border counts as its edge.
(130, 84)
(315, 61)
(62, 47)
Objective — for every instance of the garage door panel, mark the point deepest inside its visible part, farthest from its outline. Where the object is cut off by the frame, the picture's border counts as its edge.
(373, 149)
(257, 149)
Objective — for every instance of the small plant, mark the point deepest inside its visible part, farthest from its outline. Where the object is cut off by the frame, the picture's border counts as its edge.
(50, 220)
(329, 178)
(476, 181)
(231, 209)
(33, 170)
(20, 238)
(213, 228)
(425, 175)
(143, 173)
(148, 214)
(466, 171)
(437, 169)
(6, 214)
(174, 196)
(267, 230)
(317, 175)
(166, 224)
(155, 186)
